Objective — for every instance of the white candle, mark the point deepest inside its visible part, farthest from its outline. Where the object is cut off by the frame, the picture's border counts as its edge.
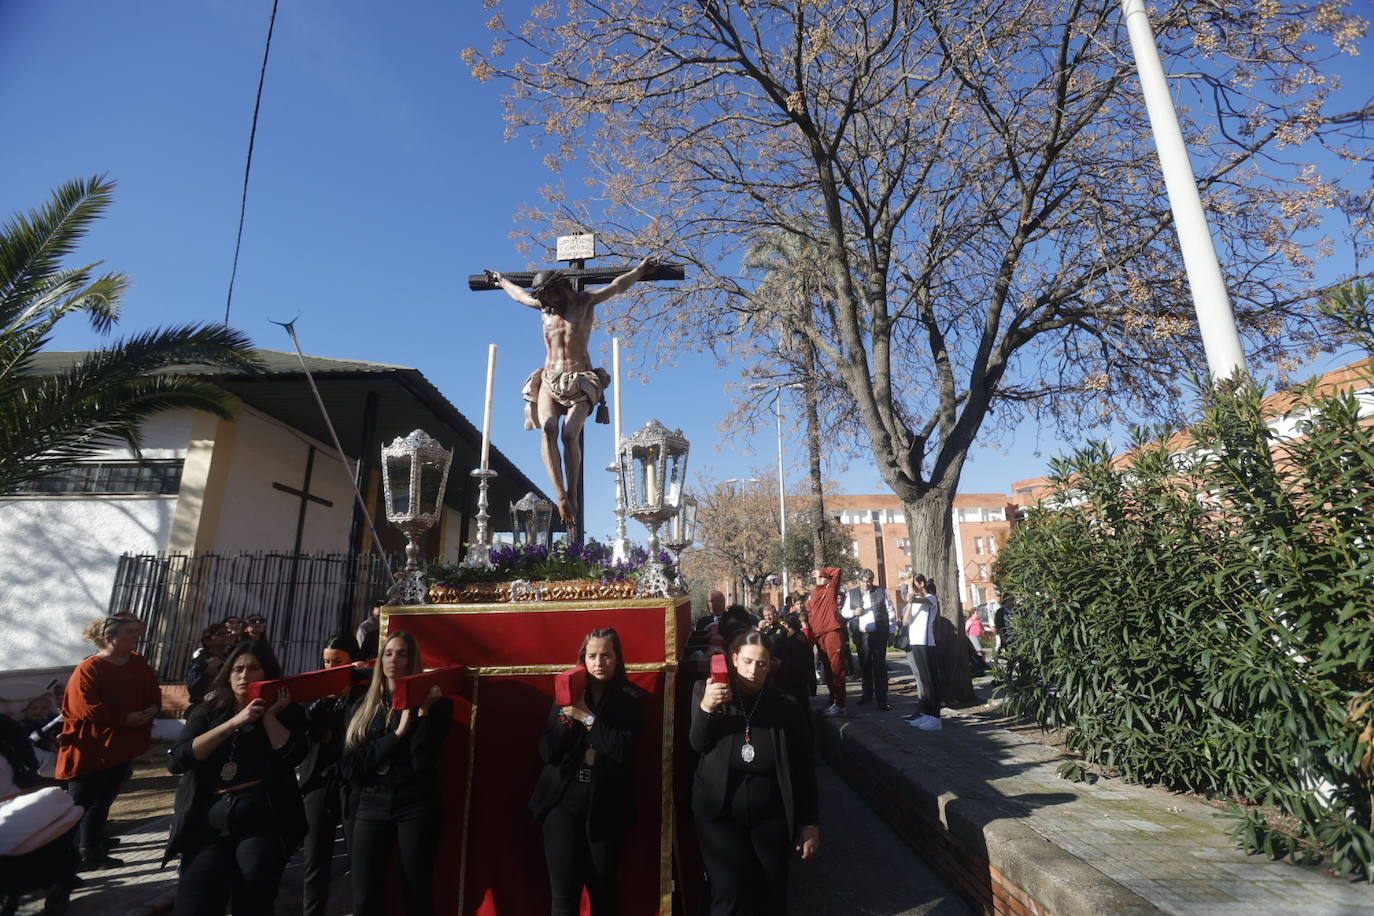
(486, 412)
(615, 396)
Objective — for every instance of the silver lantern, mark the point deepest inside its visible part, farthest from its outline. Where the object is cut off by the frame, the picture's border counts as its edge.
(414, 478)
(531, 520)
(682, 529)
(653, 471)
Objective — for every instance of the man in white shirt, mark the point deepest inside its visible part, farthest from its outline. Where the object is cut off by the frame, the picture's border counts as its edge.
(920, 617)
(869, 605)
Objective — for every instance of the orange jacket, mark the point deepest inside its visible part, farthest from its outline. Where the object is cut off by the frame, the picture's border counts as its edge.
(100, 696)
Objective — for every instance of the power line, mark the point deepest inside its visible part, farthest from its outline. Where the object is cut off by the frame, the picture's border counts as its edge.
(248, 166)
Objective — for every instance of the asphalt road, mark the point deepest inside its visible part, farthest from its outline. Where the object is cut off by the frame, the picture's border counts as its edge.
(863, 868)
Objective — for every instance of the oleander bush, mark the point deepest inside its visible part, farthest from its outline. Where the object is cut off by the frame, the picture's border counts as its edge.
(1201, 617)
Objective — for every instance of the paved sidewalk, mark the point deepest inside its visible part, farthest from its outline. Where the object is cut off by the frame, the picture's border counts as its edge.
(1129, 848)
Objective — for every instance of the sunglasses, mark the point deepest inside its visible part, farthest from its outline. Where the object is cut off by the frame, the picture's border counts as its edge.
(257, 620)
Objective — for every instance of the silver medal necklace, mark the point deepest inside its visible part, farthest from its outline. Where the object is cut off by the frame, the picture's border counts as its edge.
(746, 751)
(226, 772)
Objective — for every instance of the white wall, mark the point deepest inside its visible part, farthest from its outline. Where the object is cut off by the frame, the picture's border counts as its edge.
(61, 552)
(255, 516)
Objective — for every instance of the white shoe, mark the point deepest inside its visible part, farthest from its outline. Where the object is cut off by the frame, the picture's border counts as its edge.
(833, 711)
(927, 723)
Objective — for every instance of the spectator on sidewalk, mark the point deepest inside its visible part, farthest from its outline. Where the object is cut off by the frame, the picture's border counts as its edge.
(234, 624)
(36, 856)
(871, 612)
(205, 663)
(1001, 623)
(107, 711)
(920, 617)
(773, 629)
(238, 815)
(827, 628)
(973, 628)
(366, 636)
(796, 676)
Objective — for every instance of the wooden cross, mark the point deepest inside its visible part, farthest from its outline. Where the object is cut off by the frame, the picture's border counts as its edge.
(579, 276)
(306, 497)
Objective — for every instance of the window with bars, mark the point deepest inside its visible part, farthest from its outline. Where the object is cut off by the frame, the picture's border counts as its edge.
(108, 478)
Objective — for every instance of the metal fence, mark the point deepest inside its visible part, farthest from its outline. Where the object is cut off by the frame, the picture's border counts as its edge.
(306, 598)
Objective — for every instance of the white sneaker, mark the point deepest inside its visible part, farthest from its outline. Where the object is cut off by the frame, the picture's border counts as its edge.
(833, 711)
(928, 723)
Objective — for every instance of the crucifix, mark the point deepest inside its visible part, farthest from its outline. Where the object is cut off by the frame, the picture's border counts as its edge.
(306, 498)
(561, 395)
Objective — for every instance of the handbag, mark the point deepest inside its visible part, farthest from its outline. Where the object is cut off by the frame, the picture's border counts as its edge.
(901, 638)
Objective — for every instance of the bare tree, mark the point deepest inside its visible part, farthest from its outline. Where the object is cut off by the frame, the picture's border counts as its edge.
(980, 177)
(737, 531)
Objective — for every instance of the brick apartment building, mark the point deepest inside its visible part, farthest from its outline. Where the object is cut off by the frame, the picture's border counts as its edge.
(982, 524)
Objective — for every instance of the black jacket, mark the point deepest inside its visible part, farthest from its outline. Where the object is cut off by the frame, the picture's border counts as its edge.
(194, 793)
(779, 719)
(326, 720)
(411, 763)
(614, 737)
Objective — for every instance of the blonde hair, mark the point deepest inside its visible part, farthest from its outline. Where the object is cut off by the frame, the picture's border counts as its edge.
(97, 631)
(377, 694)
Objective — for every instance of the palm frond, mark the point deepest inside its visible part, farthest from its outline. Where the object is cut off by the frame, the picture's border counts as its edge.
(32, 246)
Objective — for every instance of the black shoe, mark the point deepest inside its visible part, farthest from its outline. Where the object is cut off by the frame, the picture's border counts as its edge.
(95, 861)
(110, 842)
(911, 715)
(56, 901)
(884, 707)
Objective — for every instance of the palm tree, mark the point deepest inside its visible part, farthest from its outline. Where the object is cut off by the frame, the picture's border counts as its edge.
(51, 420)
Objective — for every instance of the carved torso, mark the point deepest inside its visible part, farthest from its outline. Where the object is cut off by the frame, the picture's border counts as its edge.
(566, 334)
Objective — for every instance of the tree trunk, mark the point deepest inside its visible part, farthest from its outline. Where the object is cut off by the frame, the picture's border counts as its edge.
(930, 525)
(813, 449)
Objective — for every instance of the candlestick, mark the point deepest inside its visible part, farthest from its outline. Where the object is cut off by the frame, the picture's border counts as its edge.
(479, 551)
(486, 412)
(615, 396)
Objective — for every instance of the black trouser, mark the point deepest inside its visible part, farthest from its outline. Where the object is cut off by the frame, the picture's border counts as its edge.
(576, 860)
(322, 814)
(925, 670)
(96, 792)
(873, 666)
(746, 850)
(235, 855)
(401, 820)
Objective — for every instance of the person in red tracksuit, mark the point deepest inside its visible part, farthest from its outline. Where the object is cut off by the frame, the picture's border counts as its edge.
(827, 630)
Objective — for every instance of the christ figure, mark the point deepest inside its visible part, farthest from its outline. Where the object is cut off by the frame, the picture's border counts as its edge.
(568, 386)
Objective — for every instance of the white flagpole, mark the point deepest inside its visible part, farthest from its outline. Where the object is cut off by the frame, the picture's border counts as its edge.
(1216, 322)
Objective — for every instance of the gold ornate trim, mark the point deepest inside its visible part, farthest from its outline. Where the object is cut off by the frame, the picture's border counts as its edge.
(669, 765)
(538, 606)
(556, 590)
(467, 800)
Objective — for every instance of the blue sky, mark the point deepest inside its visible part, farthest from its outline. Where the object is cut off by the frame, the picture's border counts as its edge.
(380, 181)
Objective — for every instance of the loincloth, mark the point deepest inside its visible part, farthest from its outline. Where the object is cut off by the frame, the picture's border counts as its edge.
(565, 388)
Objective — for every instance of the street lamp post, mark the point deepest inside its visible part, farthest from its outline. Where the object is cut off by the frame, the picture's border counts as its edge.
(782, 501)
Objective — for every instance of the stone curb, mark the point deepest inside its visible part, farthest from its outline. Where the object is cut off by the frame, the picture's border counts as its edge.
(1017, 858)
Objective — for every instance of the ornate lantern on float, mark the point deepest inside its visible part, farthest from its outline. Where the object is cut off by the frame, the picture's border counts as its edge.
(653, 470)
(414, 478)
(531, 519)
(682, 529)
